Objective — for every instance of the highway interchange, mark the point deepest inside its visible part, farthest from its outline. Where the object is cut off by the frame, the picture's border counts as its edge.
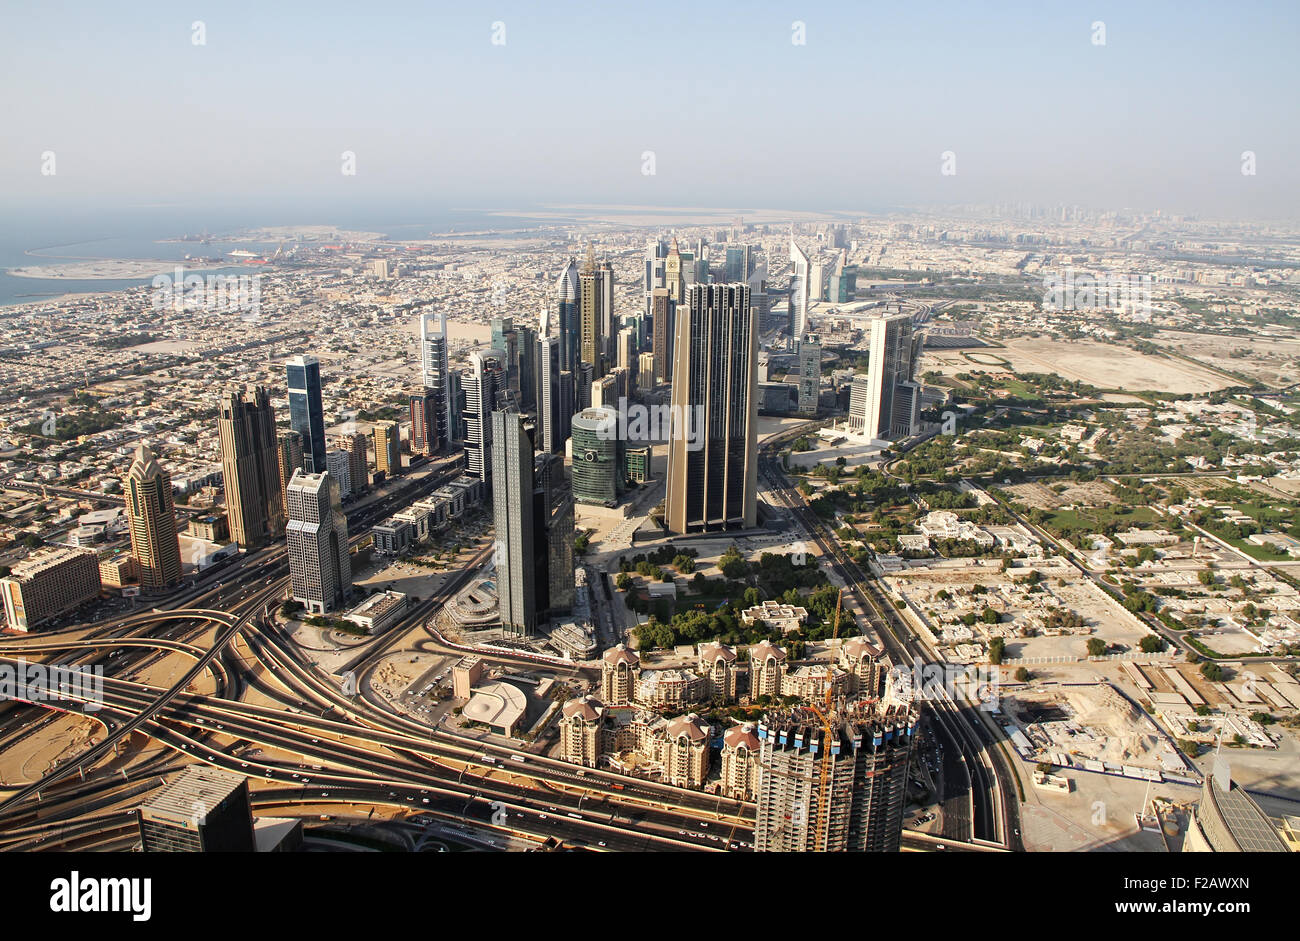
(311, 750)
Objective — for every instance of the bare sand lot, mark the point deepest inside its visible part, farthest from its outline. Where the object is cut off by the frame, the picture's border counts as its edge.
(1098, 364)
(1272, 360)
(1091, 493)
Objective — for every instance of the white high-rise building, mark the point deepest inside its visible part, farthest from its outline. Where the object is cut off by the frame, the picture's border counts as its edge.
(339, 464)
(891, 404)
(810, 374)
(435, 371)
(799, 274)
(320, 570)
(481, 383)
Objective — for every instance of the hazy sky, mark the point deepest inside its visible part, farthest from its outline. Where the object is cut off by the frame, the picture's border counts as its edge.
(735, 113)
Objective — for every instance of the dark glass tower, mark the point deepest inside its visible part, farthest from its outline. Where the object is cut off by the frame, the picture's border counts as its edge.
(306, 415)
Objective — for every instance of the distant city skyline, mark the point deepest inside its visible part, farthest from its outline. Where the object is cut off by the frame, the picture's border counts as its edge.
(1025, 98)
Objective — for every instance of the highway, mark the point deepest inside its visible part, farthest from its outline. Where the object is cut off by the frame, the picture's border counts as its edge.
(980, 800)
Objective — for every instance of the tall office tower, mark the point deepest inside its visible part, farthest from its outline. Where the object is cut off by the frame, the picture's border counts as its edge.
(598, 457)
(527, 368)
(607, 320)
(859, 403)
(861, 808)
(559, 539)
(506, 339)
(810, 374)
(674, 277)
(250, 467)
(702, 262)
(582, 381)
(339, 464)
(591, 316)
(568, 290)
(151, 518)
(436, 375)
(424, 423)
(761, 302)
(513, 509)
(289, 457)
(357, 444)
(568, 405)
(625, 349)
(656, 253)
(645, 372)
(799, 273)
(456, 407)
(480, 383)
(737, 264)
(306, 415)
(604, 392)
(817, 280)
(388, 448)
(663, 311)
(548, 395)
(320, 570)
(893, 399)
(202, 810)
(713, 451)
(844, 281)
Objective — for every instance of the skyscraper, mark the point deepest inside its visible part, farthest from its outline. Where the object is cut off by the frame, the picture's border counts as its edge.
(306, 415)
(289, 457)
(250, 467)
(435, 373)
(663, 310)
(674, 278)
(656, 253)
(514, 510)
(810, 374)
(598, 459)
(151, 518)
(202, 810)
(799, 274)
(893, 400)
(712, 454)
(861, 806)
(567, 290)
(320, 569)
(592, 283)
(559, 554)
(548, 395)
(339, 464)
(424, 412)
(527, 368)
(506, 339)
(388, 448)
(357, 444)
(480, 384)
(737, 263)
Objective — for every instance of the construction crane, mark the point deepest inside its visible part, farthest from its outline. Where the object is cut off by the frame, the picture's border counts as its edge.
(828, 735)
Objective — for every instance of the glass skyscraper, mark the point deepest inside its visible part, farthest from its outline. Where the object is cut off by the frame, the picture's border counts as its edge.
(306, 415)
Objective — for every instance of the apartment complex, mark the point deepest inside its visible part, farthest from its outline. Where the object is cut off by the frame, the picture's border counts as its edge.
(48, 583)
